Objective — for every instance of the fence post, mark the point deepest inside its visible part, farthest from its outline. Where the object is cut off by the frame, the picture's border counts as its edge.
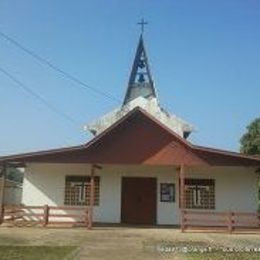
(91, 199)
(86, 217)
(2, 214)
(183, 219)
(46, 210)
(230, 221)
(182, 200)
(2, 192)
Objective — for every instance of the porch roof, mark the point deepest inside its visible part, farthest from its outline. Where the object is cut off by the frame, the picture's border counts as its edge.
(137, 138)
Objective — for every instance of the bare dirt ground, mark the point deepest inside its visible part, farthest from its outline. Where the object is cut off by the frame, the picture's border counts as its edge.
(124, 242)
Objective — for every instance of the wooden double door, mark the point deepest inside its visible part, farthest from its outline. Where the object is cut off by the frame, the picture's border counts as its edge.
(138, 201)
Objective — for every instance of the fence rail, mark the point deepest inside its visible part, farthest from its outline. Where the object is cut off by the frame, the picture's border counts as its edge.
(220, 221)
(190, 219)
(46, 215)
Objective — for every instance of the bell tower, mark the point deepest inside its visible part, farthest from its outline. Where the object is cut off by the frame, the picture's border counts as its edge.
(141, 93)
(140, 81)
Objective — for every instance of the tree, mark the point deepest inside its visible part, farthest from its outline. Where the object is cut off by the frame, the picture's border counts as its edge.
(250, 141)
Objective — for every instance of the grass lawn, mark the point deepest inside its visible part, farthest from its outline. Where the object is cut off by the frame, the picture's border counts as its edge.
(61, 252)
(35, 252)
(128, 243)
(222, 256)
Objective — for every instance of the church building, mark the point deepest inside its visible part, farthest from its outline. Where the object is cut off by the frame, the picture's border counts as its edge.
(140, 167)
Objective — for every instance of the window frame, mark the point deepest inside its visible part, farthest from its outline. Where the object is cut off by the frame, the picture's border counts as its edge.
(204, 183)
(79, 179)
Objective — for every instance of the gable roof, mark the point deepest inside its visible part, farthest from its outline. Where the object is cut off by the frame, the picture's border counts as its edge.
(138, 138)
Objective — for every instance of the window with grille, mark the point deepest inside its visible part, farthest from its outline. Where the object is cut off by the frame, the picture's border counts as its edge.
(199, 193)
(77, 190)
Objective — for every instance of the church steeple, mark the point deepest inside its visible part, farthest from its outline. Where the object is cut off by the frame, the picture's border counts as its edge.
(141, 93)
(140, 81)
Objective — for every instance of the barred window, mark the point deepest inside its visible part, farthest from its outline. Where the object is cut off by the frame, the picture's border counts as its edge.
(77, 190)
(200, 193)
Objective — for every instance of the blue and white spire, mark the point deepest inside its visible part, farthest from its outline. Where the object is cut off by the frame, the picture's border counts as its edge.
(140, 81)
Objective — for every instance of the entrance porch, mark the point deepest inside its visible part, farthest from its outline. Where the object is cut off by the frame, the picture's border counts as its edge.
(121, 193)
(140, 194)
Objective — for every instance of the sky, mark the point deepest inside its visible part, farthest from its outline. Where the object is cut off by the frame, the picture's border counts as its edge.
(204, 55)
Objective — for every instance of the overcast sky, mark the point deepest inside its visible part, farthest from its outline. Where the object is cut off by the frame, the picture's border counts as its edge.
(205, 60)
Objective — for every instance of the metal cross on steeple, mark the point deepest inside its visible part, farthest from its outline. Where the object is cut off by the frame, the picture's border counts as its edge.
(142, 24)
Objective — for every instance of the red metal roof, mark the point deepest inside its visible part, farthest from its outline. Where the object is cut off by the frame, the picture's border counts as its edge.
(138, 138)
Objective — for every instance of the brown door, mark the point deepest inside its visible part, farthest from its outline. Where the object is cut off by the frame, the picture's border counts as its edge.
(138, 201)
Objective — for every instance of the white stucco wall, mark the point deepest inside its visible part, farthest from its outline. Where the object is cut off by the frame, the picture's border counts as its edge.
(45, 183)
(235, 187)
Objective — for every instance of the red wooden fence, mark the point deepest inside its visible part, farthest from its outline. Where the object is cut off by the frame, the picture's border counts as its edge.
(190, 219)
(47, 215)
(220, 221)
